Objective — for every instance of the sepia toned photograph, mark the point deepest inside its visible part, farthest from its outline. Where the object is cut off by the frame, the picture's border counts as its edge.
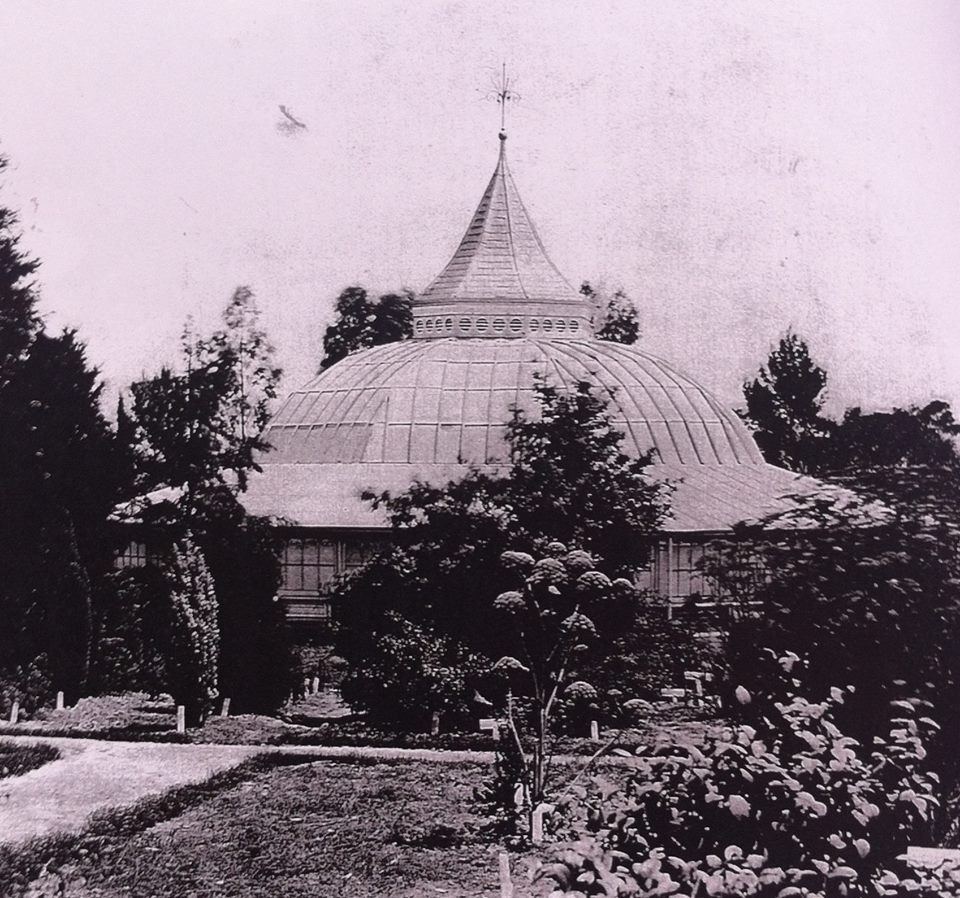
(479, 449)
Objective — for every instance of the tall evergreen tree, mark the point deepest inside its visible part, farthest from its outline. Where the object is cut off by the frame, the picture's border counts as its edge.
(784, 406)
(58, 483)
(18, 314)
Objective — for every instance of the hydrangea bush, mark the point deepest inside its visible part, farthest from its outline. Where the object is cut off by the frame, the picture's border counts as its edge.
(547, 614)
(787, 807)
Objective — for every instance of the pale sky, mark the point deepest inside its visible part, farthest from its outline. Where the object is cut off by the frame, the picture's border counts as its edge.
(738, 167)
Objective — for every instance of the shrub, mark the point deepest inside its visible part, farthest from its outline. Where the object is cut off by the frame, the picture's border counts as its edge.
(16, 758)
(128, 655)
(193, 665)
(30, 685)
(791, 806)
(649, 652)
(411, 672)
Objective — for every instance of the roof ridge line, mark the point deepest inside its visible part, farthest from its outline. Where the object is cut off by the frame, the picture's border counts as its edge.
(504, 170)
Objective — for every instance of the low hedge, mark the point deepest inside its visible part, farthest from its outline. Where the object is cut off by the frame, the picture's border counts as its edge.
(333, 735)
(16, 759)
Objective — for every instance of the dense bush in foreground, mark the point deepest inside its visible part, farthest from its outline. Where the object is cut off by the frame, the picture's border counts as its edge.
(788, 807)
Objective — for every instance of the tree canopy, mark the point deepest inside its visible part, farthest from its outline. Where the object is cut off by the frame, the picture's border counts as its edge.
(784, 407)
(568, 480)
(362, 322)
(58, 484)
(202, 426)
(615, 317)
(202, 429)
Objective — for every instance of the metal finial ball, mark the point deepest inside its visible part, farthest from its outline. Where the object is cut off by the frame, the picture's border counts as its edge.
(503, 135)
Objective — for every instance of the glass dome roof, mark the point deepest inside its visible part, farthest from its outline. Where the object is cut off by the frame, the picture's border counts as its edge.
(442, 402)
(497, 315)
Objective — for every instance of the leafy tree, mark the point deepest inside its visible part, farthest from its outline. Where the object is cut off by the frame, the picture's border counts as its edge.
(615, 317)
(362, 322)
(203, 427)
(569, 480)
(242, 552)
(912, 437)
(784, 406)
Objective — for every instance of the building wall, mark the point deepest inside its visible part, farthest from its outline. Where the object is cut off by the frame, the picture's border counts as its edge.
(312, 560)
(310, 565)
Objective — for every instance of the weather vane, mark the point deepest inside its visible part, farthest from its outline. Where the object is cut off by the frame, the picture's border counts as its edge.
(503, 92)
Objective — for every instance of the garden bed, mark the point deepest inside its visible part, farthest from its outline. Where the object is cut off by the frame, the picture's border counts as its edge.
(325, 828)
(16, 759)
(138, 717)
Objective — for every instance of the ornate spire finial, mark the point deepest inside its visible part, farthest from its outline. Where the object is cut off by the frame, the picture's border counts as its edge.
(504, 92)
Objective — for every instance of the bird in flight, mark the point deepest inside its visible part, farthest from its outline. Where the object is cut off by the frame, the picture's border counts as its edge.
(289, 124)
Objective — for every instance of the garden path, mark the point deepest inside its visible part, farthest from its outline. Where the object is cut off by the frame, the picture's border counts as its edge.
(94, 774)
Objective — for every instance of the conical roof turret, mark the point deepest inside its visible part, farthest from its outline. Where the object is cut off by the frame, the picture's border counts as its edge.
(500, 281)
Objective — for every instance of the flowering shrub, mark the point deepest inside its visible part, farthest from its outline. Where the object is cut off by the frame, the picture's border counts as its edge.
(546, 615)
(786, 808)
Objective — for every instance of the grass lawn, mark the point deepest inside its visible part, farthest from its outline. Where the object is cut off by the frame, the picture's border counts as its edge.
(348, 829)
(16, 759)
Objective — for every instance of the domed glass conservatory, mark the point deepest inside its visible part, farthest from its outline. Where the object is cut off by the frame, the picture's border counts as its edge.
(429, 408)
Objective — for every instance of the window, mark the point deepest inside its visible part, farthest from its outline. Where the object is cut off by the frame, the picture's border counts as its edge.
(309, 565)
(134, 554)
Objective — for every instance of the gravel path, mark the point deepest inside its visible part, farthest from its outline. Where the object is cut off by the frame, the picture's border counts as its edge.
(94, 774)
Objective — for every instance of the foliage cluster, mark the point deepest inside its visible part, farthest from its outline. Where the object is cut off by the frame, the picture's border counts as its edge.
(552, 615)
(785, 409)
(413, 672)
(568, 481)
(362, 322)
(203, 426)
(194, 632)
(786, 806)
(615, 317)
(876, 606)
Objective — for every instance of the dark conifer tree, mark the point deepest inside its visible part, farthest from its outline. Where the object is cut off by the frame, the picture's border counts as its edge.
(58, 483)
(784, 408)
